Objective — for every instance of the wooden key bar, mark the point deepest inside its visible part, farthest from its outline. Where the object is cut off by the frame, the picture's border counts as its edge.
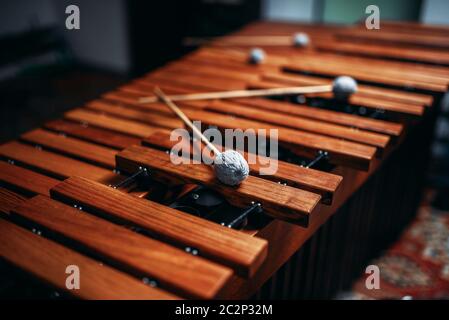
(300, 123)
(9, 200)
(382, 94)
(26, 180)
(375, 51)
(278, 106)
(98, 155)
(305, 80)
(365, 76)
(99, 136)
(109, 122)
(388, 37)
(397, 70)
(374, 139)
(48, 261)
(354, 121)
(54, 164)
(375, 125)
(232, 248)
(172, 268)
(277, 200)
(342, 152)
(404, 109)
(209, 70)
(154, 119)
(323, 183)
(387, 99)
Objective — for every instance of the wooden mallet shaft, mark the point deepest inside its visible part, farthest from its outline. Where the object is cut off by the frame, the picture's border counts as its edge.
(166, 99)
(241, 93)
(240, 41)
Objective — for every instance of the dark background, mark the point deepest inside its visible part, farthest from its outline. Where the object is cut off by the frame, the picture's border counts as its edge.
(46, 69)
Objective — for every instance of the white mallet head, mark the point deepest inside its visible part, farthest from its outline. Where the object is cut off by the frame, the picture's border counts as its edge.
(256, 56)
(231, 167)
(343, 87)
(301, 39)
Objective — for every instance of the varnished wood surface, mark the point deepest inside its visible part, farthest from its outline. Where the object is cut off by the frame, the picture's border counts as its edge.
(98, 155)
(374, 125)
(9, 200)
(100, 136)
(296, 122)
(26, 180)
(108, 122)
(384, 94)
(87, 141)
(124, 112)
(341, 151)
(309, 179)
(377, 51)
(130, 93)
(273, 117)
(419, 40)
(173, 268)
(48, 260)
(397, 74)
(277, 200)
(374, 139)
(54, 164)
(222, 244)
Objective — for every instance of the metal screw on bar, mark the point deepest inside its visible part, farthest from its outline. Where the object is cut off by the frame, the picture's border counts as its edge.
(321, 155)
(151, 283)
(237, 221)
(142, 171)
(362, 111)
(301, 99)
(195, 196)
(192, 251)
(376, 113)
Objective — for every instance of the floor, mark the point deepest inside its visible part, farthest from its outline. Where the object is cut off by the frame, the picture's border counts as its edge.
(417, 265)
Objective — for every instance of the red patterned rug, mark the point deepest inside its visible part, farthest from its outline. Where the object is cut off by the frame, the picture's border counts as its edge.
(416, 266)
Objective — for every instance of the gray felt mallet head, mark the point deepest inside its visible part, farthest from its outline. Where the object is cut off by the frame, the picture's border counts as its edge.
(343, 87)
(231, 167)
(301, 39)
(256, 56)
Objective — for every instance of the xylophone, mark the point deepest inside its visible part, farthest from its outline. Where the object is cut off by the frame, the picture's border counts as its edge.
(97, 189)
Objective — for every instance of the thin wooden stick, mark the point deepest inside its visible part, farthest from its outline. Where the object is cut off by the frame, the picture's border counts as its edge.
(241, 41)
(242, 93)
(185, 119)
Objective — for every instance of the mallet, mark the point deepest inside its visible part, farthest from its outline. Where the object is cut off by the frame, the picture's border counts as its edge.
(242, 93)
(230, 166)
(342, 88)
